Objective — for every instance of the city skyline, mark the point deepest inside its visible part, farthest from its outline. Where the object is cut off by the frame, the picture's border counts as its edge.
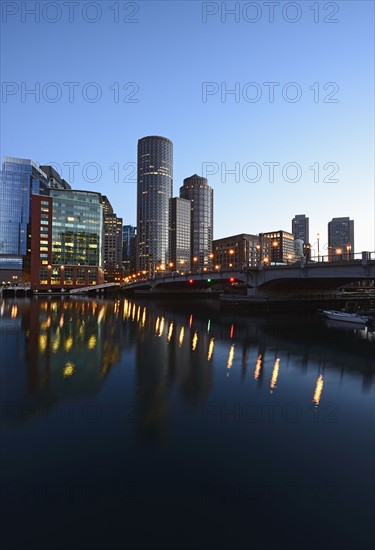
(55, 179)
(232, 116)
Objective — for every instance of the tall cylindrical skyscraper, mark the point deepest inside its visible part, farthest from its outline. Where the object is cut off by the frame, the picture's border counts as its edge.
(154, 189)
(201, 195)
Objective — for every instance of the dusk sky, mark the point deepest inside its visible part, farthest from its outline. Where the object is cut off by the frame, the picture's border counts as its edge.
(164, 54)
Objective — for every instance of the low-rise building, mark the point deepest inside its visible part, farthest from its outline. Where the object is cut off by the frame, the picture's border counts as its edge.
(239, 251)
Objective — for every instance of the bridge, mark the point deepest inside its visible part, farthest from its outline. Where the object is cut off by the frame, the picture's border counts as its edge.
(297, 276)
(94, 288)
(15, 290)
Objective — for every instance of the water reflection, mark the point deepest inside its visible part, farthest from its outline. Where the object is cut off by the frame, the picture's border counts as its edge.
(67, 348)
(258, 367)
(275, 374)
(318, 390)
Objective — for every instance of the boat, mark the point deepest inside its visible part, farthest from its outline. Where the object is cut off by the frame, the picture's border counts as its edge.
(346, 317)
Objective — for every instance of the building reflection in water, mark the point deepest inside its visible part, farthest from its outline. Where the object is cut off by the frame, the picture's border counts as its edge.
(69, 345)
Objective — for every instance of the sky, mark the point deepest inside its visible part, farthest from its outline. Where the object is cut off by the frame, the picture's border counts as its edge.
(271, 101)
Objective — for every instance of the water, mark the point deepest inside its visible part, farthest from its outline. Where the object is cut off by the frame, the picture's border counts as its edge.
(144, 425)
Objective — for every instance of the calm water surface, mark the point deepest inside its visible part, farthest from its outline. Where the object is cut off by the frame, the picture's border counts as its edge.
(145, 425)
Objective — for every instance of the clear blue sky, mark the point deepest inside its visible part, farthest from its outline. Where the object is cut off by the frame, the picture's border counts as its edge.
(168, 53)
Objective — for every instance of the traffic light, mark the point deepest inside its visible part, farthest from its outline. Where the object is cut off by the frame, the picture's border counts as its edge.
(232, 279)
(191, 281)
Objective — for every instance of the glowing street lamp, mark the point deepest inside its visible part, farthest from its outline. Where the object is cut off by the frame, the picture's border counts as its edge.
(339, 252)
(317, 240)
(348, 251)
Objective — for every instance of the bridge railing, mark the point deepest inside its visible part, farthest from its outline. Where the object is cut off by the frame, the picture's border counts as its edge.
(342, 256)
(333, 259)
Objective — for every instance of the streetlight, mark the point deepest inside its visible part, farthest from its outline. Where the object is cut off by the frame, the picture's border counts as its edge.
(339, 252)
(195, 260)
(348, 250)
(318, 238)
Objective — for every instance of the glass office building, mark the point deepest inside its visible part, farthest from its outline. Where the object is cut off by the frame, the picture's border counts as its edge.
(154, 189)
(19, 179)
(67, 239)
(201, 195)
(77, 228)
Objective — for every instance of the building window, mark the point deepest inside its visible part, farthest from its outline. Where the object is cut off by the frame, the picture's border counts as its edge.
(43, 276)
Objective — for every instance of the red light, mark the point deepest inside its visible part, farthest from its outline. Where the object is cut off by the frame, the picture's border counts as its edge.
(191, 281)
(232, 279)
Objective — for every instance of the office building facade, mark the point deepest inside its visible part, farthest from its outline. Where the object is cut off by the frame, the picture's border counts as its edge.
(129, 239)
(113, 269)
(19, 180)
(180, 234)
(201, 195)
(281, 246)
(67, 240)
(55, 181)
(240, 251)
(154, 189)
(300, 228)
(340, 238)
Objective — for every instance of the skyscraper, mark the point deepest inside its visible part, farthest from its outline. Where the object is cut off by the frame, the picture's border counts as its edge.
(300, 227)
(341, 238)
(154, 189)
(201, 195)
(112, 242)
(180, 233)
(20, 178)
(129, 234)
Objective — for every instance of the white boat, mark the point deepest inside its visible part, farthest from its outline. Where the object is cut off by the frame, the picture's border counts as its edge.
(346, 317)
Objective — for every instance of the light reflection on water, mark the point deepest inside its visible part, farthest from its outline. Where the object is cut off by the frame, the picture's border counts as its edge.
(172, 396)
(68, 339)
